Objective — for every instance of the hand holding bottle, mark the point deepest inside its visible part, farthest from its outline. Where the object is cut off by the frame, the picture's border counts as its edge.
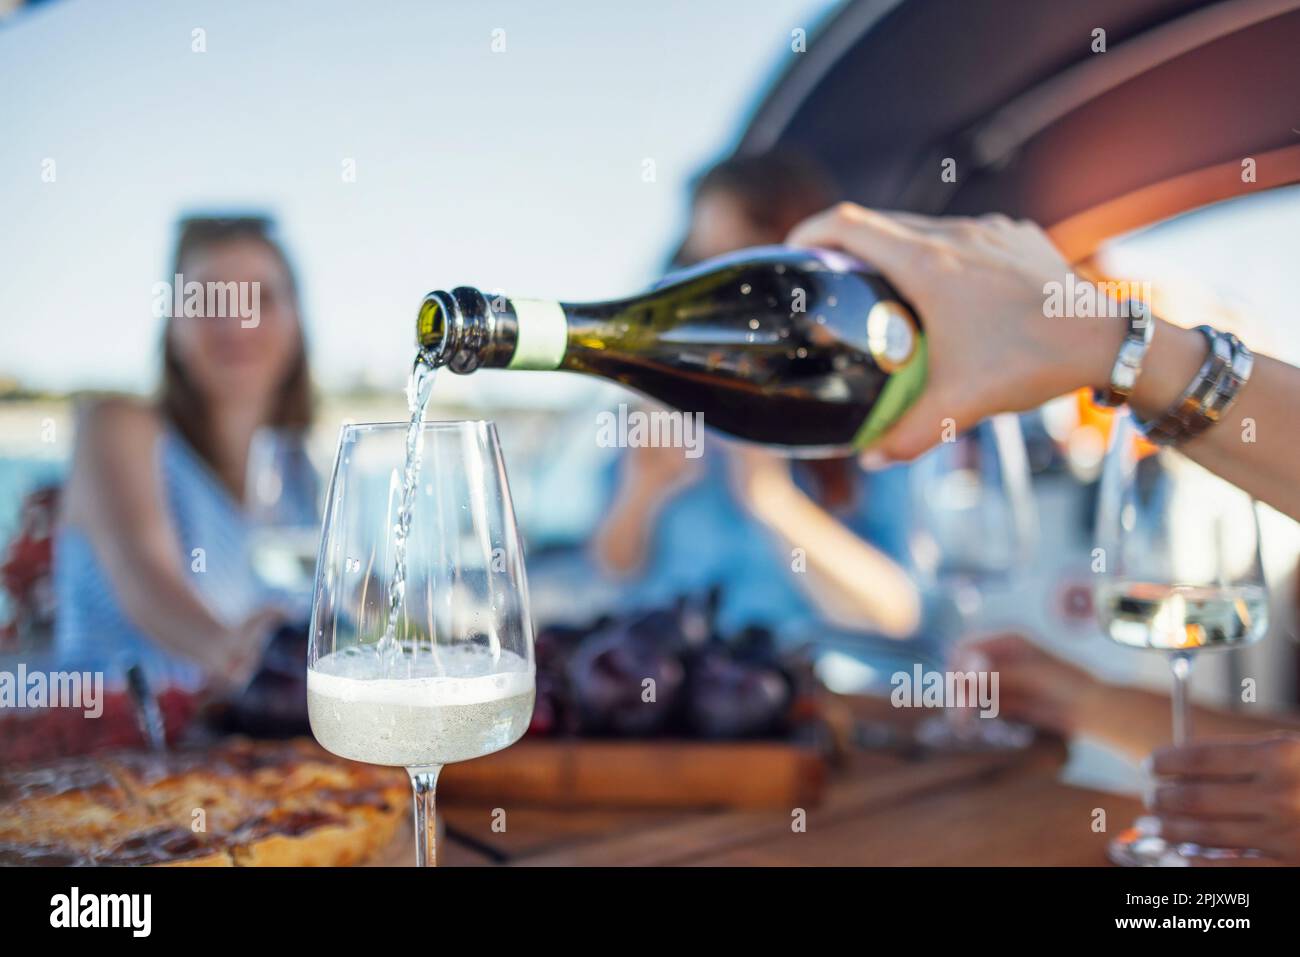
(979, 283)
(804, 349)
(982, 287)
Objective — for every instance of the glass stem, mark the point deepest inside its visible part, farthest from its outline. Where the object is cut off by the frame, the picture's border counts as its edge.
(968, 600)
(1182, 668)
(424, 784)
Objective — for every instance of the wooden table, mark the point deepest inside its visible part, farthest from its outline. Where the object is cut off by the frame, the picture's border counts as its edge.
(880, 809)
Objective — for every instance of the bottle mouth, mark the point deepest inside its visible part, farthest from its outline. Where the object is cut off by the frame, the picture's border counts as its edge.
(438, 315)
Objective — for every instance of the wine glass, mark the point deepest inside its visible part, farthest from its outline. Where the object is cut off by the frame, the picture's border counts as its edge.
(974, 530)
(1180, 572)
(439, 668)
(282, 503)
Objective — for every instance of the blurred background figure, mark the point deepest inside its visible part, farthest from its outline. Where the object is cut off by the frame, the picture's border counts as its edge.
(801, 548)
(746, 201)
(1050, 693)
(792, 545)
(152, 558)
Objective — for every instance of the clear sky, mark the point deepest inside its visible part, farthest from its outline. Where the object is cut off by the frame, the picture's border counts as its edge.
(520, 170)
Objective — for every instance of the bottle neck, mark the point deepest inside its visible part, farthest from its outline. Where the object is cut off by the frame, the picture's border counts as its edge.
(466, 329)
(541, 334)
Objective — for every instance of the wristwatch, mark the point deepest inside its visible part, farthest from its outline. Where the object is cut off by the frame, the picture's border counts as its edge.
(1206, 397)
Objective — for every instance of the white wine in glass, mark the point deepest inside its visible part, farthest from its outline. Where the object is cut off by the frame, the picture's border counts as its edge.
(445, 671)
(1182, 618)
(1181, 574)
(429, 716)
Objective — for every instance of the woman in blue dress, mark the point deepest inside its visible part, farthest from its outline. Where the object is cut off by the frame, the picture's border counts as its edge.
(151, 559)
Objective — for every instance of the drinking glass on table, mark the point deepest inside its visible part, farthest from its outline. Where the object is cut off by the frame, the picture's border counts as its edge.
(974, 529)
(1182, 575)
(442, 671)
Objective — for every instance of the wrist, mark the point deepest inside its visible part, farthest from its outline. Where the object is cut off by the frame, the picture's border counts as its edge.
(1091, 349)
(1172, 362)
(219, 667)
(1090, 710)
(209, 647)
(1130, 720)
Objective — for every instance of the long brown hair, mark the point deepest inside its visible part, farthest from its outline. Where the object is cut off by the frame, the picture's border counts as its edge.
(775, 191)
(179, 399)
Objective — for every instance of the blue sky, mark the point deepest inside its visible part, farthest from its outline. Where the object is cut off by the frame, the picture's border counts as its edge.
(519, 170)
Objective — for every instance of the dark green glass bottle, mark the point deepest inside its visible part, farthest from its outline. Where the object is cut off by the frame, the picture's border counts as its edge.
(809, 350)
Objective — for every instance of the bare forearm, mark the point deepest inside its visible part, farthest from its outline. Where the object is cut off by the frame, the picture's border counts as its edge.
(1137, 721)
(1254, 446)
(162, 604)
(623, 539)
(851, 579)
(1257, 446)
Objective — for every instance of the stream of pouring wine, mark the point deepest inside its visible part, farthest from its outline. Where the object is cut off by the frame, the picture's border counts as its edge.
(418, 389)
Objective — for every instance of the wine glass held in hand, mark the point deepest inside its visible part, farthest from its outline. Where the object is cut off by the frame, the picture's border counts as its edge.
(421, 642)
(283, 506)
(1182, 575)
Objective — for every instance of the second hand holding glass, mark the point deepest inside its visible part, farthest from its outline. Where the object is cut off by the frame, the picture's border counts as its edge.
(1182, 575)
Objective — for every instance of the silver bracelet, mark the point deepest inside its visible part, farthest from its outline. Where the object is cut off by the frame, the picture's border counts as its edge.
(1128, 362)
(1191, 414)
(1234, 377)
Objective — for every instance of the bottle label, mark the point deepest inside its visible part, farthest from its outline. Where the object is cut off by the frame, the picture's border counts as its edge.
(898, 346)
(543, 334)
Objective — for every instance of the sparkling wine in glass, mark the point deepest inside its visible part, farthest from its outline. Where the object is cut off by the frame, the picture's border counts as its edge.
(445, 672)
(1179, 572)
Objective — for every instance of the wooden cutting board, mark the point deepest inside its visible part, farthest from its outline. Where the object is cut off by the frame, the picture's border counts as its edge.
(626, 774)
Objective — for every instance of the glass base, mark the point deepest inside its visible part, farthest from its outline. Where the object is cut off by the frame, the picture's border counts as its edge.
(1142, 846)
(970, 733)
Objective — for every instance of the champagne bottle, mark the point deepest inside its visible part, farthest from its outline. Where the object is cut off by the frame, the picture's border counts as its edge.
(805, 349)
